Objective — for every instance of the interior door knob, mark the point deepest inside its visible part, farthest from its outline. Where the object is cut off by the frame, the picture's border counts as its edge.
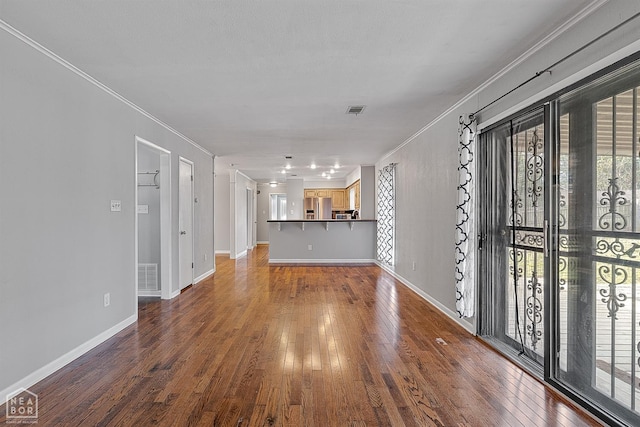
(183, 232)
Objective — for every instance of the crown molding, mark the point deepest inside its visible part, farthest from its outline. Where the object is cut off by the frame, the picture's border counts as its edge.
(586, 11)
(40, 48)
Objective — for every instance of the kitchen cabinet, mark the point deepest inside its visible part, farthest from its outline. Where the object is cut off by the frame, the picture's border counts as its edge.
(338, 199)
(339, 196)
(355, 194)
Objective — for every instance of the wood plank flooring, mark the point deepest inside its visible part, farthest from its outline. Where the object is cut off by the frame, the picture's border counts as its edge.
(294, 346)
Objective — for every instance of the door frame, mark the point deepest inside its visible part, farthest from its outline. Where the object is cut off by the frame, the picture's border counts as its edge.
(191, 201)
(165, 217)
(250, 219)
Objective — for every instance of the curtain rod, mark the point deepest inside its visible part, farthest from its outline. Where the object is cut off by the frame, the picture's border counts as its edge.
(548, 69)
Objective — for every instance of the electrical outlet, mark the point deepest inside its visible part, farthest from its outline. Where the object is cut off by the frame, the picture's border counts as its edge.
(205, 257)
(413, 266)
(309, 247)
(107, 299)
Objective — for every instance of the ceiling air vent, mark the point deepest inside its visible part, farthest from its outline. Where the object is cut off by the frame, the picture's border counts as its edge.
(355, 109)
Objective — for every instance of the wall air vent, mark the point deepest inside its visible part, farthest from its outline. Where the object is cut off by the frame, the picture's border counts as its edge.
(148, 277)
(355, 109)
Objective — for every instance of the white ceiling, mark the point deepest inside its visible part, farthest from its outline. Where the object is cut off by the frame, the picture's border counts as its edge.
(253, 81)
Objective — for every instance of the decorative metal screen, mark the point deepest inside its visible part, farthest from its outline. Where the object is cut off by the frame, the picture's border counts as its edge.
(559, 265)
(600, 244)
(525, 219)
(386, 214)
(513, 262)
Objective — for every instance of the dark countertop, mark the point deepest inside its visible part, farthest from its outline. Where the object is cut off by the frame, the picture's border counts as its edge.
(322, 220)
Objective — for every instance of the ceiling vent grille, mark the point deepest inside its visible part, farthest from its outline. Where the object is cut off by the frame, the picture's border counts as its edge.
(355, 109)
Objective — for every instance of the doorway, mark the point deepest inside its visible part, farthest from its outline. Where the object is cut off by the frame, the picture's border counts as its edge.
(249, 219)
(185, 221)
(278, 206)
(559, 194)
(153, 243)
(513, 235)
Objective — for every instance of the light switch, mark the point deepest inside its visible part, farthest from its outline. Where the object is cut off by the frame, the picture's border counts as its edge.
(116, 206)
(143, 209)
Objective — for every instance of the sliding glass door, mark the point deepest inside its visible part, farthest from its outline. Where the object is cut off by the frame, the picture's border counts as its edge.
(599, 243)
(560, 242)
(513, 234)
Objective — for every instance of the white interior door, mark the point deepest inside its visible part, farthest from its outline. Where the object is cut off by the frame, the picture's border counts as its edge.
(185, 220)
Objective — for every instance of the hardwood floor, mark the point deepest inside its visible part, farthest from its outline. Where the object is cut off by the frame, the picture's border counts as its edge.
(305, 345)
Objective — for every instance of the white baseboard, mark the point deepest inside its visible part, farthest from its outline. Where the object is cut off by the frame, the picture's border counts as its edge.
(260, 242)
(204, 276)
(445, 310)
(67, 358)
(241, 254)
(222, 252)
(174, 294)
(149, 293)
(322, 261)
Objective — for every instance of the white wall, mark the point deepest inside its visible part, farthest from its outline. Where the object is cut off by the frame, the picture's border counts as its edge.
(327, 183)
(427, 165)
(67, 148)
(352, 177)
(263, 209)
(295, 198)
(222, 212)
(367, 192)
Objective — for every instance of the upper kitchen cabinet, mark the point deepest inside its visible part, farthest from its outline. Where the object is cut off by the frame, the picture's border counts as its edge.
(317, 192)
(339, 196)
(353, 196)
(338, 199)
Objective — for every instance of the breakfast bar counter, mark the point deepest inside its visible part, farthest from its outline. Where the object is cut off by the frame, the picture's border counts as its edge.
(322, 241)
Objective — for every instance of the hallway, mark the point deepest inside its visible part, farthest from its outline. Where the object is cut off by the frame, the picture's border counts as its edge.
(305, 345)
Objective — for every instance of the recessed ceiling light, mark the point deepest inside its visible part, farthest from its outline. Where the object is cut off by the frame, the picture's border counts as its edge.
(283, 171)
(273, 184)
(332, 171)
(337, 165)
(312, 166)
(288, 166)
(324, 174)
(356, 109)
(328, 176)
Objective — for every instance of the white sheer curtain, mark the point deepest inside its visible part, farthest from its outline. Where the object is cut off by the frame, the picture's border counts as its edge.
(465, 219)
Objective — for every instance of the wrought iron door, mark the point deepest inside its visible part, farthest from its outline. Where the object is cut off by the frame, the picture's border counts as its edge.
(560, 233)
(599, 244)
(513, 234)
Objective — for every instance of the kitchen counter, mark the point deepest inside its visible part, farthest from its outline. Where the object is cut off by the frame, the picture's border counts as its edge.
(322, 241)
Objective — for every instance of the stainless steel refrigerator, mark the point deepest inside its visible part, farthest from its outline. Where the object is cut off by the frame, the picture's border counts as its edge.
(317, 207)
